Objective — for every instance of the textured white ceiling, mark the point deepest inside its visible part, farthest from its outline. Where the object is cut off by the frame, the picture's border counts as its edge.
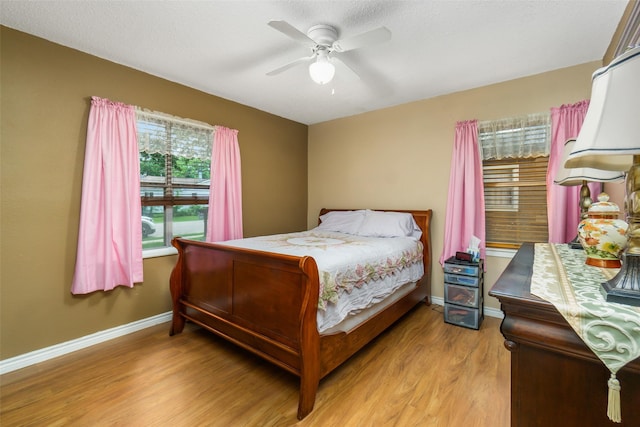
(225, 48)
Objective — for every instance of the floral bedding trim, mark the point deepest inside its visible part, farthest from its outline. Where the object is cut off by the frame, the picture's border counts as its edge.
(360, 274)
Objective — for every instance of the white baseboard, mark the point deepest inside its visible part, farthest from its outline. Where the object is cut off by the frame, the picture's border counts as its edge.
(488, 311)
(493, 312)
(47, 353)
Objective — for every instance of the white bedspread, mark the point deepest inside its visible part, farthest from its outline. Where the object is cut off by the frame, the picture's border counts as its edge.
(355, 272)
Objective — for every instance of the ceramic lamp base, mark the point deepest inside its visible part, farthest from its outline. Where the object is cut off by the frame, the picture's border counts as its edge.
(603, 263)
(602, 234)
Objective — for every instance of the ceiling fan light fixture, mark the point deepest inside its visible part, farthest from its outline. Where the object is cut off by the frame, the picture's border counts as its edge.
(322, 71)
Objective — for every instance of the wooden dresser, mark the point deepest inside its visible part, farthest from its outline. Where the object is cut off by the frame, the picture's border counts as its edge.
(556, 380)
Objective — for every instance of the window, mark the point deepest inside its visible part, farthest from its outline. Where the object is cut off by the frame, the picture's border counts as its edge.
(175, 164)
(515, 155)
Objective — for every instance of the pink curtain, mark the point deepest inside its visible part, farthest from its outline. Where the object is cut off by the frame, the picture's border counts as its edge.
(225, 196)
(465, 203)
(563, 203)
(109, 250)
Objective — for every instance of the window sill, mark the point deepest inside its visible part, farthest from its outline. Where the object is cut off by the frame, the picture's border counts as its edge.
(500, 253)
(154, 253)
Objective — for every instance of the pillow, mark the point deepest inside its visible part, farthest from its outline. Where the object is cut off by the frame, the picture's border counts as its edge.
(342, 221)
(389, 224)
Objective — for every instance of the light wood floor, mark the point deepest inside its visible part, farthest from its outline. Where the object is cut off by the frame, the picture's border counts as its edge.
(421, 372)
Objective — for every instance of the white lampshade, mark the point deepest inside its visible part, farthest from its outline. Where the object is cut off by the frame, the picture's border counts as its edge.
(610, 134)
(322, 71)
(576, 176)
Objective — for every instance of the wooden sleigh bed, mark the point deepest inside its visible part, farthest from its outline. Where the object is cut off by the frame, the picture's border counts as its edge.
(267, 303)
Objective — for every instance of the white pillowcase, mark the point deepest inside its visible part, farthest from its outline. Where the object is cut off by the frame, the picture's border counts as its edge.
(389, 224)
(370, 223)
(342, 221)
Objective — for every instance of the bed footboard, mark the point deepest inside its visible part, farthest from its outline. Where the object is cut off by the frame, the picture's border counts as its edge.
(263, 302)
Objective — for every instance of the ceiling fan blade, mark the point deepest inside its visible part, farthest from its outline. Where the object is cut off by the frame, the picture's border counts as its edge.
(368, 38)
(289, 30)
(291, 65)
(344, 66)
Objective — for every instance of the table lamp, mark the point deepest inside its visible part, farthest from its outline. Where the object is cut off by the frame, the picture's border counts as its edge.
(581, 176)
(610, 140)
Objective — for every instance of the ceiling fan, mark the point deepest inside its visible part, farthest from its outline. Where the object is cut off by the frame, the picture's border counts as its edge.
(325, 47)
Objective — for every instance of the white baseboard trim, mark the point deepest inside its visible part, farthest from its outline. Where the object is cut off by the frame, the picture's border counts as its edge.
(488, 311)
(37, 356)
(493, 312)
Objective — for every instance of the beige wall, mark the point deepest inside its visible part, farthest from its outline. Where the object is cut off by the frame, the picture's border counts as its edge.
(393, 158)
(45, 103)
(399, 158)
